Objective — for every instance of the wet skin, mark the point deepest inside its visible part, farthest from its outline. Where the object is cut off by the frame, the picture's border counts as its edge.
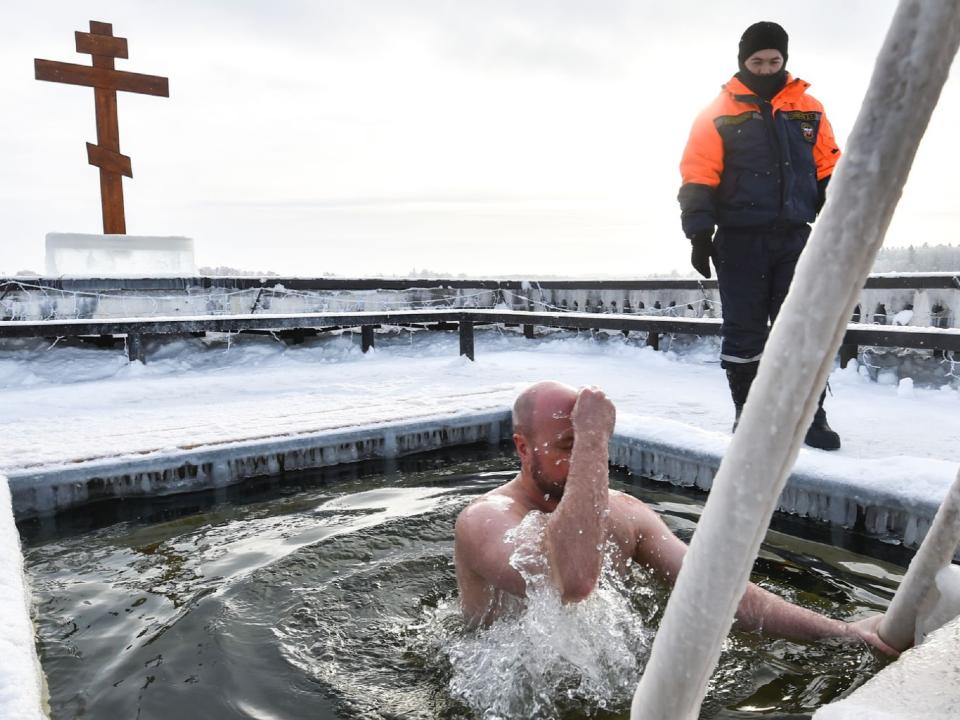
(562, 441)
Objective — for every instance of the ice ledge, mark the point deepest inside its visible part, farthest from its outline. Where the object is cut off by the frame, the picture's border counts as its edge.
(894, 498)
(22, 688)
(47, 490)
(924, 684)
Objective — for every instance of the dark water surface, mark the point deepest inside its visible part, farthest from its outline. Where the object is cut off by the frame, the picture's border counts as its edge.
(331, 594)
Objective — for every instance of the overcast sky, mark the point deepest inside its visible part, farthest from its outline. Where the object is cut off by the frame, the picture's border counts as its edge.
(375, 136)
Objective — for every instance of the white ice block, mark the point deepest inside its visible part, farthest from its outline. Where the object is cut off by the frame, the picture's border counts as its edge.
(23, 692)
(924, 684)
(119, 256)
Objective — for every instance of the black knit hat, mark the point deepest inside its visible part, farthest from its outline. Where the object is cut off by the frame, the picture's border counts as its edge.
(762, 36)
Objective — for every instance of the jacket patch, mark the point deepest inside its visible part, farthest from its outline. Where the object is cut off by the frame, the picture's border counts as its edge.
(809, 134)
(737, 119)
(807, 116)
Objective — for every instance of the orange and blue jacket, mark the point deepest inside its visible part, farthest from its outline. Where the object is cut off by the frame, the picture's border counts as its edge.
(750, 164)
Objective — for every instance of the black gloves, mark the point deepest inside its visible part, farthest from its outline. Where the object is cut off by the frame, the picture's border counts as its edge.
(822, 192)
(702, 252)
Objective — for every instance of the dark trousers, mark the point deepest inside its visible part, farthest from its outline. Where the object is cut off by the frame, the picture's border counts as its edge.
(754, 270)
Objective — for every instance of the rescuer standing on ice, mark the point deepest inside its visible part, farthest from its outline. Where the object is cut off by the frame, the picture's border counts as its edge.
(755, 172)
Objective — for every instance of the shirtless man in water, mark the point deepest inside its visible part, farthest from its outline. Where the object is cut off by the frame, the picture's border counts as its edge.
(561, 436)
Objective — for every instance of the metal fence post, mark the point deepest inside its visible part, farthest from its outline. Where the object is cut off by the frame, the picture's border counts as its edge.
(466, 338)
(366, 337)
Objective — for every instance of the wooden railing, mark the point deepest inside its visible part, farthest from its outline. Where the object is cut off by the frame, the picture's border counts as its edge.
(298, 325)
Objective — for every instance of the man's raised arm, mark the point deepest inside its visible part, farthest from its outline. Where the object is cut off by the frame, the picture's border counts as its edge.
(576, 530)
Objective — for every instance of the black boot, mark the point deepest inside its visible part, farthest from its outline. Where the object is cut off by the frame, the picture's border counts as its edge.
(740, 376)
(820, 435)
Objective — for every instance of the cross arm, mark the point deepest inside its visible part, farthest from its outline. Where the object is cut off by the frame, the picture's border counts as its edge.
(72, 74)
(109, 160)
(107, 45)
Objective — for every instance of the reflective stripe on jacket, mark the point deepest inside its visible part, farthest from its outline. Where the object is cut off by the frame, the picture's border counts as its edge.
(753, 164)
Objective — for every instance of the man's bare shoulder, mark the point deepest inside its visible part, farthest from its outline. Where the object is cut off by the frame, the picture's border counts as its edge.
(502, 505)
(622, 501)
(630, 512)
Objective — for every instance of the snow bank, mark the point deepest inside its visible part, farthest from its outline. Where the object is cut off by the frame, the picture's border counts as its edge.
(83, 413)
(22, 691)
(95, 412)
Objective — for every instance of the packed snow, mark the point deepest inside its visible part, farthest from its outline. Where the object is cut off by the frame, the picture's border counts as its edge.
(63, 403)
(924, 684)
(21, 691)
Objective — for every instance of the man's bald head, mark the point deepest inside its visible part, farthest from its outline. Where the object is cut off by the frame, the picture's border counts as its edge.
(540, 402)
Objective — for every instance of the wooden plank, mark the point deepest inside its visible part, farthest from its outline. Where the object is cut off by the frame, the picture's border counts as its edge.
(105, 45)
(847, 353)
(108, 130)
(108, 160)
(108, 138)
(111, 199)
(366, 337)
(214, 323)
(913, 282)
(585, 321)
(466, 339)
(101, 28)
(919, 282)
(104, 61)
(135, 348)
(931, 338)
(87, 76)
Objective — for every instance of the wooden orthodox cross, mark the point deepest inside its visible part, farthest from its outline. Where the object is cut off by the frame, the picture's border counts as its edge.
(105, 81)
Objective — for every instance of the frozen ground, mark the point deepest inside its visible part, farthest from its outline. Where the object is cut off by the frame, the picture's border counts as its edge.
(67, 404)
(21, 692)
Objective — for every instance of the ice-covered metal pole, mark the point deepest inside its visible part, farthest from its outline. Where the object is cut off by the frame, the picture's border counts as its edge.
(910, 72)
(898, 626)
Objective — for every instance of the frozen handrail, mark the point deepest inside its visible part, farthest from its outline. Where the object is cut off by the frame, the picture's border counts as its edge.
(898, 627)
(923, 37)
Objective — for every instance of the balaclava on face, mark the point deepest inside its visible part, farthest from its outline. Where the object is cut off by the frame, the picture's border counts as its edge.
(763, 36)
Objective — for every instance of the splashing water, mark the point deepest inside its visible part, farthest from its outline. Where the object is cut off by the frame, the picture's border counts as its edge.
(544, 658)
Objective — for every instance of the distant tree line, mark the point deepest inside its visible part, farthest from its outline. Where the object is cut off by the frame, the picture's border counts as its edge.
(227, 270)
(913, 258)
(918, 258)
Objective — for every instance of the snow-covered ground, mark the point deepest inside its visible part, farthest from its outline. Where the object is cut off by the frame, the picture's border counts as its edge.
(21, 682)
(65, 404)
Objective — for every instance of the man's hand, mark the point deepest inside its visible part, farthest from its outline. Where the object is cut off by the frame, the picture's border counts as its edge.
(594, 415)
(866, 630)
(702, 252)
(576, 530)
